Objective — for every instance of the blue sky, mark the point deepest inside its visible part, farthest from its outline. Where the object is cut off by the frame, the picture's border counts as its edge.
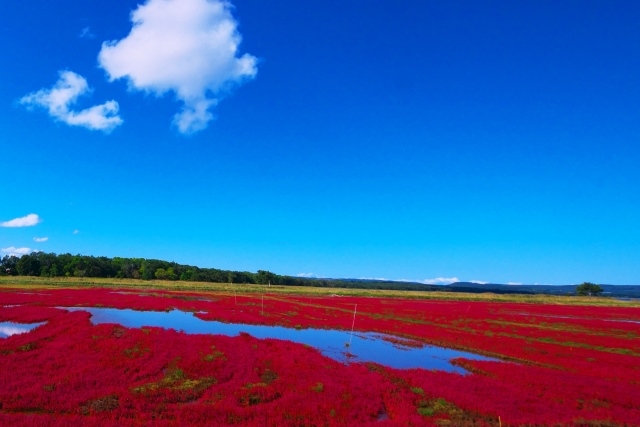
(432, 141)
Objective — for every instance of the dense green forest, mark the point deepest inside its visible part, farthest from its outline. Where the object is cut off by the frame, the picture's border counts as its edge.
(67, 265)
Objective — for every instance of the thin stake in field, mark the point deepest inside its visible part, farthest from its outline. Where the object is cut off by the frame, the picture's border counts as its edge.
(352, 325)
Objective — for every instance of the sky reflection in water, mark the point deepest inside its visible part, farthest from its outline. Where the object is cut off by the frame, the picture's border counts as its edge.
(9, 328)
(366, 347)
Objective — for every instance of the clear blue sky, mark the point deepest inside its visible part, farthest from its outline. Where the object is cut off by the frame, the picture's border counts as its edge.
(495, 141)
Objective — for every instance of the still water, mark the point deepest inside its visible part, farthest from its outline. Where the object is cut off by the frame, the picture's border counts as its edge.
(363, 347)
(9, 328)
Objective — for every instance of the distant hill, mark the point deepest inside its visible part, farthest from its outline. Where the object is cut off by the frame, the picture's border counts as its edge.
(617, 291)
(67, 265)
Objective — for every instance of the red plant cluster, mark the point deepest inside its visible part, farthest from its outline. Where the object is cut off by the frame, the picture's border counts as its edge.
(562, 365)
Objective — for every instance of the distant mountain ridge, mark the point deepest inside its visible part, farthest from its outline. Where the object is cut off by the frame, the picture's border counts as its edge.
(618, 291)
(66, 265)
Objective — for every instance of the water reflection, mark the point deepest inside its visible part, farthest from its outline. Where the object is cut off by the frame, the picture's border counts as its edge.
(9, 328)
(364, 347)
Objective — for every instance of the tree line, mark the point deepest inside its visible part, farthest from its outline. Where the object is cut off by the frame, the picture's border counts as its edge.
(66, 265)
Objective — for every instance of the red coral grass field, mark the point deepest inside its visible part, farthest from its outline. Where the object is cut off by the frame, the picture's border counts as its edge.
(558, 365)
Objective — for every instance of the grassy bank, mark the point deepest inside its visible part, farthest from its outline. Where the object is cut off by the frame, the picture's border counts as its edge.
(73, 282)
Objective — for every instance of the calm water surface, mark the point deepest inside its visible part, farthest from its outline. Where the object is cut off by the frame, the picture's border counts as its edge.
(9, 328)
(364, 347)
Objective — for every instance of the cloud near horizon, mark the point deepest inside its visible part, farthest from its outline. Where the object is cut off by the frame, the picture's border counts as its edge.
(59, 99)
(13, 251)
(40, 239)
(25, 221)
(187, 47)
(440, 281)
(308, 275)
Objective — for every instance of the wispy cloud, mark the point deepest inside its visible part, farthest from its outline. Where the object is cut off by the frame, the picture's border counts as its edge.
(40, 239)
(86, 33)
(479, 282)
(76, 232)
(187, 47)
(514, 283)
(374, 278)
(440, 281)
(58, 100)
(25, 221)
(13, 251)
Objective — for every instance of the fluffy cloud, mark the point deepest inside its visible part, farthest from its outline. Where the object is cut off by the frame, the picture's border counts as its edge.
(58, 100)
(40, 239)
(187, 47)
(13, 251)
(25, 221)
(440, 281)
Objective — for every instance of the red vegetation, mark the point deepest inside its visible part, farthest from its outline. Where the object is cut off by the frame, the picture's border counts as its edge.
(563, 365)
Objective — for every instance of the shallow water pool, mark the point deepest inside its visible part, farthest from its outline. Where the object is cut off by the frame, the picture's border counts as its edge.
(10, 328)
(339, 345)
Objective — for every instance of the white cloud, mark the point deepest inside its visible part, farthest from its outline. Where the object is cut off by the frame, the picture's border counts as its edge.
(86, 33)
(58, 99)
(374, 278)
(306, 275)
(440, 281)
(76, 231)
(188, 47)
(13, 251)
(40, 239)
(514, 283)
(25, 221)
(478, 282)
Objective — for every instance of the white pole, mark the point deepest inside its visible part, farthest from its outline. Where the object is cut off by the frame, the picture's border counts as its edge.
(353, 323)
